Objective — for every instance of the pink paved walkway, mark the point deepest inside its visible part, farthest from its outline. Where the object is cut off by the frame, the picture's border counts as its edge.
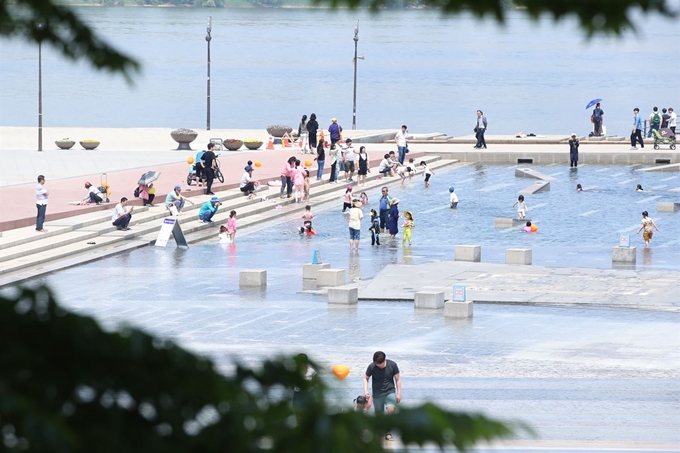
(18, 202)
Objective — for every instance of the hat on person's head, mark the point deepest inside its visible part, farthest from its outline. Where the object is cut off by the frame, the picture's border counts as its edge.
(395, 201)
(349, 140)
(349, 187)
(357, 203)
(334, 120)
(573, 135)
(178, 187)
(249, 168)
(87, 185)
(214, 200)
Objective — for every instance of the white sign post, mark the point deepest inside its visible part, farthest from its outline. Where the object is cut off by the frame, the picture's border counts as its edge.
(171, 226)
(624, 240)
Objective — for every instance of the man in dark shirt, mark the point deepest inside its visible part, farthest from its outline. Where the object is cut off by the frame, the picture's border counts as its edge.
(208, 164)
(386, 380)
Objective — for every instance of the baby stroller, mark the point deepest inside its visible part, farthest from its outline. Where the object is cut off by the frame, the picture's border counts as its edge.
(664, 136)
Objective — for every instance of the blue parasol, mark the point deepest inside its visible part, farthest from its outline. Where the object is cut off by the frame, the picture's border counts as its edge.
(593, 102)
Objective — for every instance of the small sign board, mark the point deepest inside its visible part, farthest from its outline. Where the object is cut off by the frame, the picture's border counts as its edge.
(624, 240)
(316, 258)
(171, 226)
(459, 293)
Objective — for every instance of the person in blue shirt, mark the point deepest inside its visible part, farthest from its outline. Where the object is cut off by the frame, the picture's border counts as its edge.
(335, 131)
(636, 133)
(385, 202)
(198, 168)
(209, 209)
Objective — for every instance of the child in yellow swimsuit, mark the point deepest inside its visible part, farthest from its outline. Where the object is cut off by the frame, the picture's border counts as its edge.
(408, 227)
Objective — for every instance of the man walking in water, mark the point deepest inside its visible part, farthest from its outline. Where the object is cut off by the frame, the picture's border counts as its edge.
(386, 381)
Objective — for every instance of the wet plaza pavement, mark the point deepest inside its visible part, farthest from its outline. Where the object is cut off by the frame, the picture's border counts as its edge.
(586, 374)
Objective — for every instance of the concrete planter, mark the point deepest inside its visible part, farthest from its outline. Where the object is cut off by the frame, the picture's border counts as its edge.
(89, 144)
(65, 144)
(253, 145)
(183, 137)
(277, 130)
(233, 144)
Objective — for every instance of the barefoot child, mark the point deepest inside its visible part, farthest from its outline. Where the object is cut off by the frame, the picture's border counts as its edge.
(347, 199)
(408, 227)
(375, 228)
(231, 226)
(364, 198)
(307, 221)
(647, 224)
(427, 172)
(522, 208)
(298, 181)
(223, 236)
(453, 198)
(305, 188)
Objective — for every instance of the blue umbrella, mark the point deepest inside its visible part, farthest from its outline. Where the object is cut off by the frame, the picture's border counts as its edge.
(593, 102)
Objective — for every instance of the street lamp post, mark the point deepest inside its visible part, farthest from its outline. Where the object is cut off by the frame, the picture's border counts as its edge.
(40, 145)
(356, 43)
(208, 38)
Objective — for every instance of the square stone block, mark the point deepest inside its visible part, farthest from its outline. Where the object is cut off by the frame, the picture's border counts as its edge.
(252, 278)
(468, 253)
(309, 270)
(330, 277)
(502, 222)
(433, 299)
(624, 255)
(667, 206)
(346, 296)
(518, 256)
(458, 310)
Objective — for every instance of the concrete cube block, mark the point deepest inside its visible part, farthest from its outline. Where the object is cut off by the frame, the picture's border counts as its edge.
(518, 256)
(458, 310)
(309, 270)
(432, 299)
(501, 222)
(468, 253)
(667, 206)
(624, 255)
(330, 277)
(252, 278)
(346, 296)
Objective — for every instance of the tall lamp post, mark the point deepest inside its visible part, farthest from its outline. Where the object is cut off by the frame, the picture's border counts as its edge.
(40, 147)
(356, 43)
(208, 38)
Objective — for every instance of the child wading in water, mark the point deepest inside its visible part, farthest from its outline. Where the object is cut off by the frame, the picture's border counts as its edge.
(427, 172)
(453, 198)
(307, 221)
(408, 225)
(298, 181)
(347, 199)
(231, 226)
(305, 188)
(521, 207)
(364, 198)
(223, 236)
(375, 228)
(647, 224)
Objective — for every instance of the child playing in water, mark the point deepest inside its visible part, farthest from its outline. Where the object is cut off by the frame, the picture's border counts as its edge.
(298, 181)
(403, 171)
(527, 227)
(364, 198)
(307, 221)
(231, 226)
(375, 228)
(305, 188)
(361, 404)
(579, 188)
(647, 224)
(522, 208)
(223, 236)
(427, 172)
(408, 227)
(639, 188)
(453, 198)
(347, 199)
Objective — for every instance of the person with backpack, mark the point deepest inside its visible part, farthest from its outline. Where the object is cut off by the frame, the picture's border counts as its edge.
(654, 121)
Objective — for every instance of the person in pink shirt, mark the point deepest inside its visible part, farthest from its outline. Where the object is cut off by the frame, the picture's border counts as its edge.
(231, 226)
(286, 177)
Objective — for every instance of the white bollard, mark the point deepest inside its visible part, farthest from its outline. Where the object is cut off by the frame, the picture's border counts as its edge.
(458, 310)
(468, 253)
(433, 299)
(345, 296)
(330, 277)
(251, 278)
(518, 256)
(309, 270)
(624, 255)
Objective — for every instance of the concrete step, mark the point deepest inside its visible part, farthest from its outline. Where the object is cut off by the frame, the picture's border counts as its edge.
(145, 225)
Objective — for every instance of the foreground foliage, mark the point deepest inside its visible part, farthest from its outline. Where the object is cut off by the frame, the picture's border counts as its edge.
(66, 385)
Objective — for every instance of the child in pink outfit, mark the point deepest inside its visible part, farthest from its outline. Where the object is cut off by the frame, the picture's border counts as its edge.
(298, 177)
(231, 226)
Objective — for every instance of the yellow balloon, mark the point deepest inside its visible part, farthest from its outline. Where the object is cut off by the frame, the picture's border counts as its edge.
(308, 163)
(258, 163)
(534, 228)
(341, 371)
(190, 160)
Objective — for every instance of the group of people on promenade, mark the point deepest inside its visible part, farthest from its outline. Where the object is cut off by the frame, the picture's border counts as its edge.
(658, 120)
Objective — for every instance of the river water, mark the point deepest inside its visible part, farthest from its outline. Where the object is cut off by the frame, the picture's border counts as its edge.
(421, 69)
